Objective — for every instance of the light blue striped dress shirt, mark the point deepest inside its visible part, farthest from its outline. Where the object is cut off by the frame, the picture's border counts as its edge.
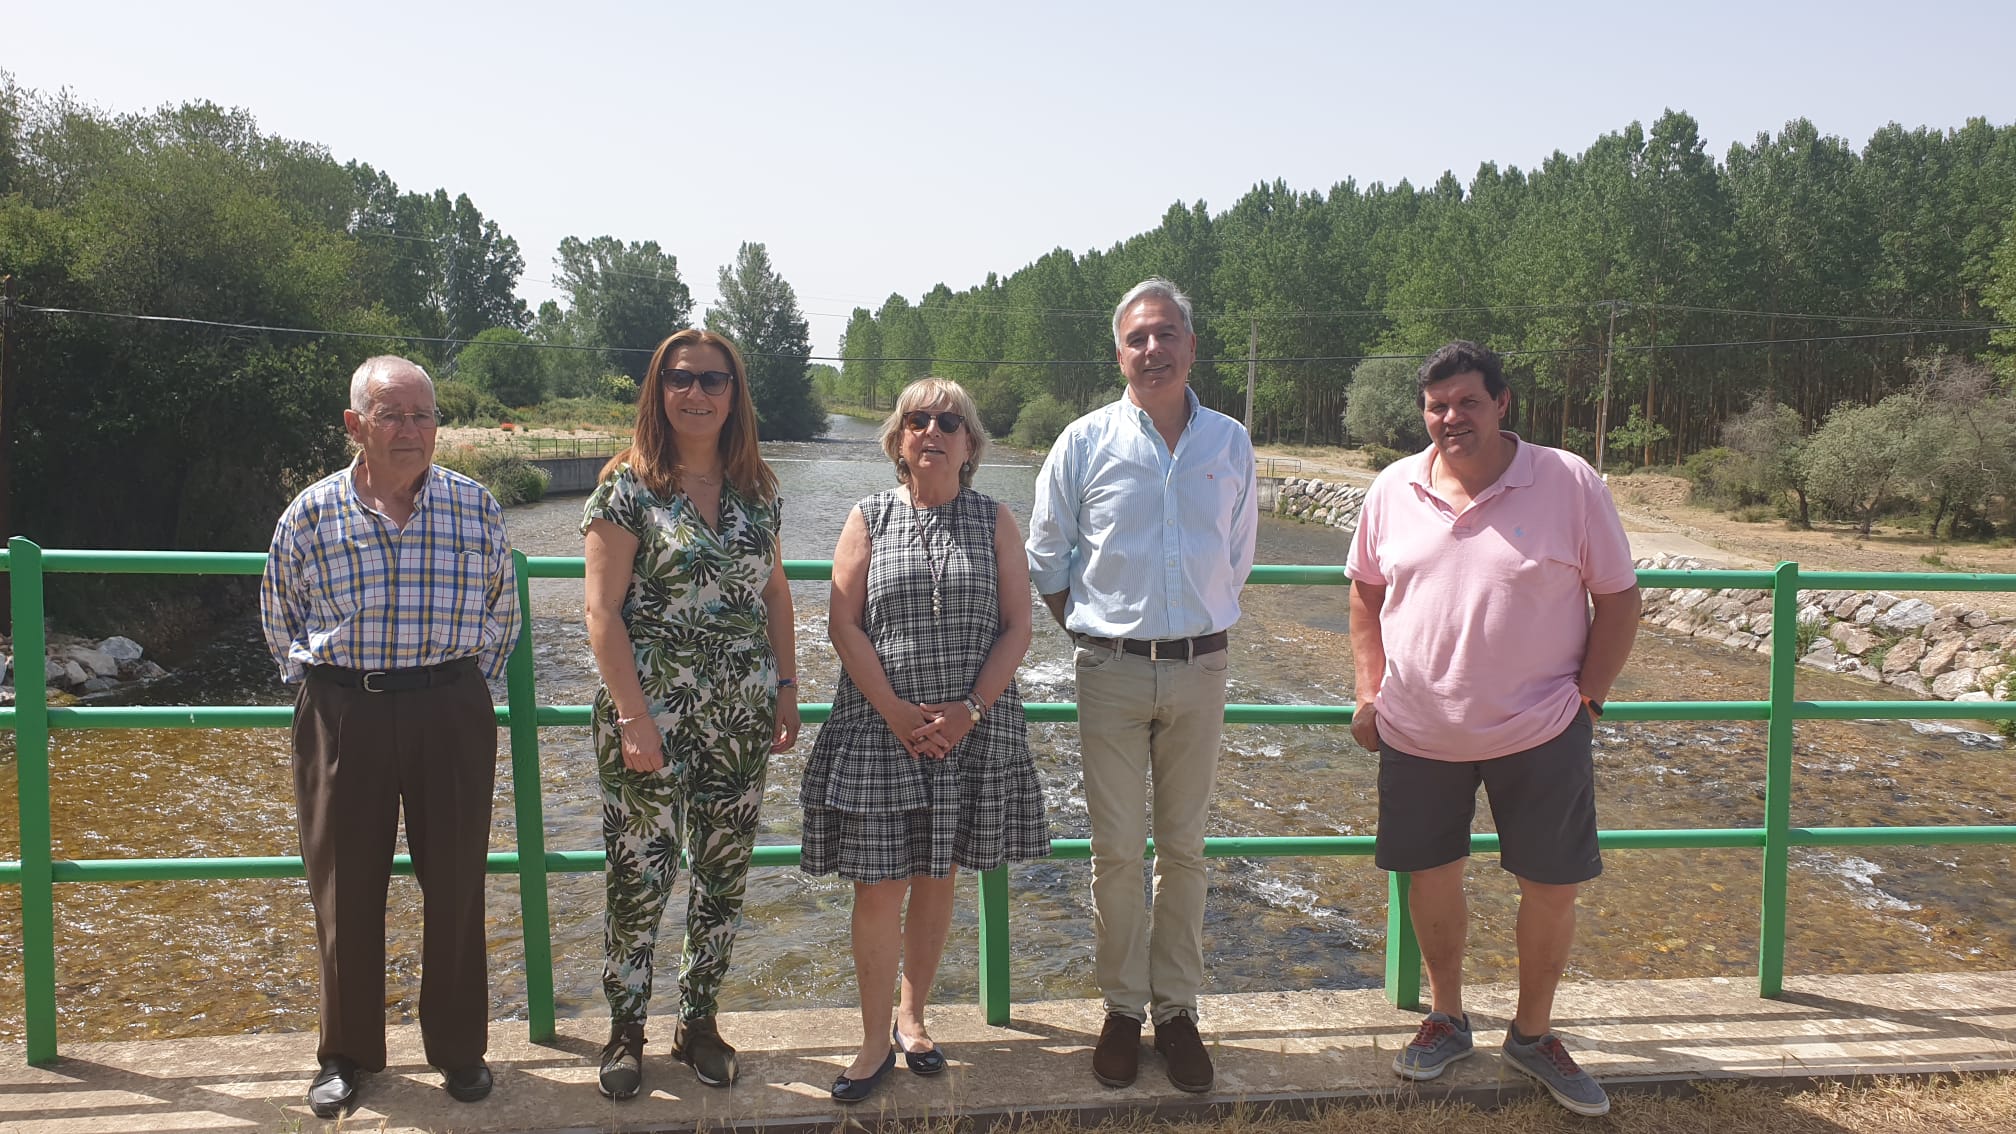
(1150, 543)
(345, 586)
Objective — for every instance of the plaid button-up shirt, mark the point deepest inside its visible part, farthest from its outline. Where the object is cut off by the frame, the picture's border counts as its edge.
(345, 586)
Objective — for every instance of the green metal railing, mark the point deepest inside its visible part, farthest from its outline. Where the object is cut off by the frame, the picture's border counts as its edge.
(31, 720)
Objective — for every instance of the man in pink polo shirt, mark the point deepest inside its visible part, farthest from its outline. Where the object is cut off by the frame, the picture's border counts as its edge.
(1473, 574)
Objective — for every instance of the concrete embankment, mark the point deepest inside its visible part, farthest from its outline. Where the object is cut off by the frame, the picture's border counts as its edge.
(1288, 1051)
(571, 476)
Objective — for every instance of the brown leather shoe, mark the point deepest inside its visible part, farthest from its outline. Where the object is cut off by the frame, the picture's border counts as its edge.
(1183, 1052)
(1117, 1059)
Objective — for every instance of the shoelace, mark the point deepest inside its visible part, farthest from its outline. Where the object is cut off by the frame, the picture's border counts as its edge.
(1432, 1031)
(1550, 1046)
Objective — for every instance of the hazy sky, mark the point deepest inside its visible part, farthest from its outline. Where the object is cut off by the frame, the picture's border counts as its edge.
(886, 147)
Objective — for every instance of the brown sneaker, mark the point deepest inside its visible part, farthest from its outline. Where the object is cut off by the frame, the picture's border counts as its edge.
(698, 1045)
(1183, 1052)
(1117, 1059)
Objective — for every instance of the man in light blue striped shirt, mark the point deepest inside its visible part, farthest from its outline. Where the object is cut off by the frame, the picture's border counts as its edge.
(389, 597)
(1142, 533)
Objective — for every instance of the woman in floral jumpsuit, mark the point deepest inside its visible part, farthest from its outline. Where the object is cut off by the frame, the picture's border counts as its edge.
(689, 616)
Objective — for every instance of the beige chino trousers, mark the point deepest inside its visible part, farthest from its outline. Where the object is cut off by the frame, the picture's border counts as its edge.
(1141, 721)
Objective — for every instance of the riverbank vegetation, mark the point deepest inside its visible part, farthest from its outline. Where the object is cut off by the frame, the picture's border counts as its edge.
(194, 294)
(1794, 269)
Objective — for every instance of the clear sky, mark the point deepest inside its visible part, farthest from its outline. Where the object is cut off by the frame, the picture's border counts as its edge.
(881, 147)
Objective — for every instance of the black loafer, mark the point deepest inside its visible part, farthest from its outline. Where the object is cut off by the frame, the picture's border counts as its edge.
(919, 1062)
(334, 1090)
(854, 1090)
(470, 1084)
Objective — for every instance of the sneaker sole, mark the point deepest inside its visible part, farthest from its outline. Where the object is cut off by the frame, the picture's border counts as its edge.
(1423, 1074)
(618, 1096)
(1587, 1110)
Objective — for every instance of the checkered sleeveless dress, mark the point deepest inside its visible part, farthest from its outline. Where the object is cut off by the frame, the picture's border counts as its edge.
(872, 812)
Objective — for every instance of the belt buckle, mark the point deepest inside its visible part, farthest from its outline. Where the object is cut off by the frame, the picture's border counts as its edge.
(370, 688)
(1154, 649)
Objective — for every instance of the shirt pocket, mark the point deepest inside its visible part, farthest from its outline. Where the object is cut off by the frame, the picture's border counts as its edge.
(458, 598)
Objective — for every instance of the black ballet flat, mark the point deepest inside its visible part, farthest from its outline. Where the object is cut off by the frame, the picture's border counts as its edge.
(919, 1062)
(854, 1090)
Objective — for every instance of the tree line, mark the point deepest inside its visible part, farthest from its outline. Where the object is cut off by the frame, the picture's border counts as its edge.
(147, 406)
(1827, 267)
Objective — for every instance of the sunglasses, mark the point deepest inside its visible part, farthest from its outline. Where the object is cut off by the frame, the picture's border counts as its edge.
(712, 382)
(917, 421)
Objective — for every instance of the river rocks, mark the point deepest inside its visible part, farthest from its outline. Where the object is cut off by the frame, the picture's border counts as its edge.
(1321, 502)
(1852, 639)
(75, 666)
(1948, 686)
(1950, 651)
(1904, 655)
(1906, 616)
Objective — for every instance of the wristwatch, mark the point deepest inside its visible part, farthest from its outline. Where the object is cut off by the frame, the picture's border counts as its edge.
(1594, 706)
(973, 708)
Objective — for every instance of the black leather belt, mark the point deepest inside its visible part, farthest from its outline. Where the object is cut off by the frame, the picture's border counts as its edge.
(1162, 649)
(395, 680)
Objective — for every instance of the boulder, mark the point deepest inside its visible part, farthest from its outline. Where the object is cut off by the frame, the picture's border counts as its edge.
(96, 662)
(67, 673)
(1845, 606)
(121, 649)
(1939, 657)
(1911, 681)
(1865, 614)
(143, 670)
(1852, 640)
(1883, 600)
(1951, 685)
(1904, 655)
(1822, 655)
(1976, 695)
(98, 685)
(1976, 619)
(1952, 610)
(1906, 616)
(1976, 659)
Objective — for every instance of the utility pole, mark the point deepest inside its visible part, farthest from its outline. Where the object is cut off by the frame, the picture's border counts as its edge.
(1252, 369)
(1603, 406)
(6, 443)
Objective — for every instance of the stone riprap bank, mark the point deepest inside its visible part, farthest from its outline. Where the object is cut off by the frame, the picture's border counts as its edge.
(1950, 651)
(1319, 502)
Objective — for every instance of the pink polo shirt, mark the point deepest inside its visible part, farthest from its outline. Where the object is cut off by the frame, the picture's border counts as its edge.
(1487, 612)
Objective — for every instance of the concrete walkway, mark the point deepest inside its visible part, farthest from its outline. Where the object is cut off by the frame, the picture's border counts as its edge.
(1289, 1049)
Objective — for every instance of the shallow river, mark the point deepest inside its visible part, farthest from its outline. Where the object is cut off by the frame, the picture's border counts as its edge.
(193, 958)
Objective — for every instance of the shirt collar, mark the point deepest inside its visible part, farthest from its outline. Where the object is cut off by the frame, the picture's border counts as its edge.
(1190, 406)
(1518, 474)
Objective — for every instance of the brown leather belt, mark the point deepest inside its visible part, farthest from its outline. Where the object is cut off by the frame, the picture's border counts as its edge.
(1162, 649)
(395, 680)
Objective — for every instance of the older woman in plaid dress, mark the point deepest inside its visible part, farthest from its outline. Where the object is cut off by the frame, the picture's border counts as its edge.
(924, 766)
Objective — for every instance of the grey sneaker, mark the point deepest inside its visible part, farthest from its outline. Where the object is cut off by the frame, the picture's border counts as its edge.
(1441, 1041)
(1547, 1061)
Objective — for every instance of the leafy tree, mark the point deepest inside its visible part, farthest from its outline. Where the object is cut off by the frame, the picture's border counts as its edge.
(758, 311)
(1861, 457)
(628, 297)
(861, 358)
(1381, 408)
(1963, 437)
(502, 363)
(1771, 440)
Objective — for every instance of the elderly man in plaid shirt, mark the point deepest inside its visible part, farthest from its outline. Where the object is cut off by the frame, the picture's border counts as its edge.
(388, 600)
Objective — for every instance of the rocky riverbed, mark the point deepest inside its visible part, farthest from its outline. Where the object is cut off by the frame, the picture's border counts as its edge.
(81, 667)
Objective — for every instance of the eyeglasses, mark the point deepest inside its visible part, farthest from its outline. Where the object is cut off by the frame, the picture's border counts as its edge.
(385, 419)
(712, 382)
(917, 421)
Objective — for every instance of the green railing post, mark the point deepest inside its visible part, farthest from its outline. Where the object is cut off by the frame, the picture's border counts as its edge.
(31, 765)
(1778, 780)
(994, 945)
(534, 917)
(1403, 952)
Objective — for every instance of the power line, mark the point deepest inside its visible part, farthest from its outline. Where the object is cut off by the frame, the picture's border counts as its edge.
(1976, 328)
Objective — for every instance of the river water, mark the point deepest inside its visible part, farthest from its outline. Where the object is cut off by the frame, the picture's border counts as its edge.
(202, 958)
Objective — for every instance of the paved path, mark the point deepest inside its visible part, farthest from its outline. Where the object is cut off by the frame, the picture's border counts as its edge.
(1289, 1048)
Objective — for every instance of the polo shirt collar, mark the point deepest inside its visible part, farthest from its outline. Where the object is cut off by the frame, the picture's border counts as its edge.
(1518, 474)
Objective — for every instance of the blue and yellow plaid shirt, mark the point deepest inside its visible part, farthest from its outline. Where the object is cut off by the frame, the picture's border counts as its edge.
(344, 586)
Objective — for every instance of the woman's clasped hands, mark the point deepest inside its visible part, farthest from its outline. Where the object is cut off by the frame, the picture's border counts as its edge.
(929, 730)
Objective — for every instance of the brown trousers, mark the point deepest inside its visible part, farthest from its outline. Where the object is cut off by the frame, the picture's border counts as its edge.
(357, 757)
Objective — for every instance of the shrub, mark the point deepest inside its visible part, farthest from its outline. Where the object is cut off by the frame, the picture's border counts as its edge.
(1753, 514)
(1041, 419)
(1379, 456)
(509, 476)
(463, 404)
